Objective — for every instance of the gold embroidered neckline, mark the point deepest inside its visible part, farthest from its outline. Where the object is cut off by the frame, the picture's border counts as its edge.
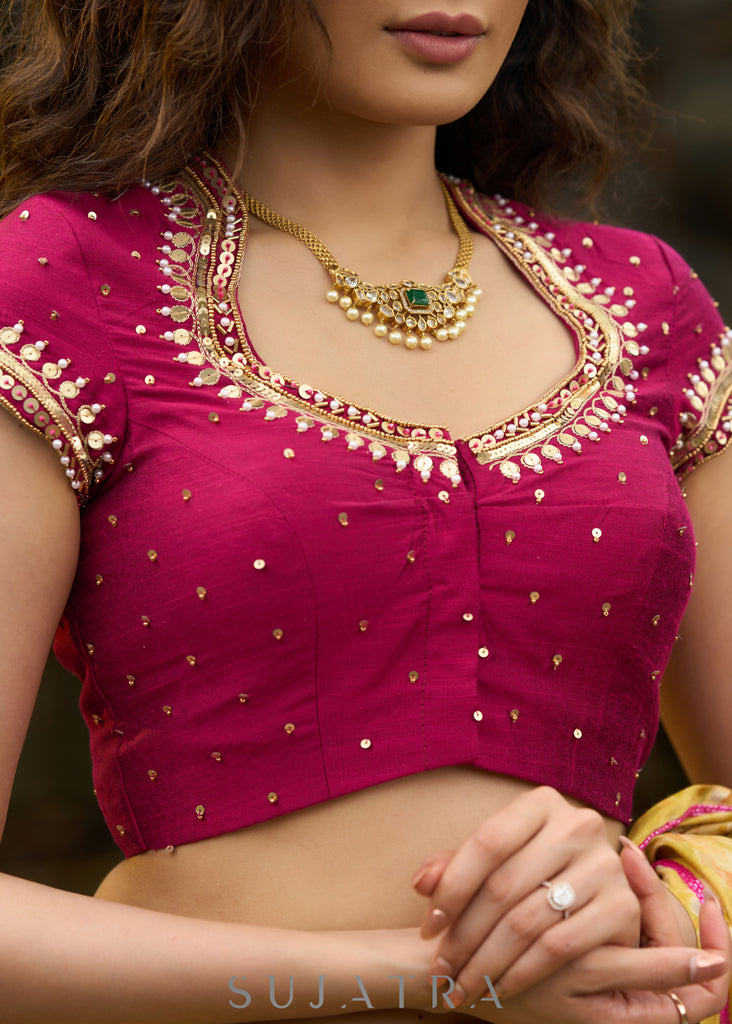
(577, 407)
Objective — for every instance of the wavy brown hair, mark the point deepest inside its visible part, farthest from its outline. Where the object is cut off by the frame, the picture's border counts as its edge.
(97, 94)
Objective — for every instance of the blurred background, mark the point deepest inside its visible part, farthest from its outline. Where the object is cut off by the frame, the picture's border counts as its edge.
(681, 189)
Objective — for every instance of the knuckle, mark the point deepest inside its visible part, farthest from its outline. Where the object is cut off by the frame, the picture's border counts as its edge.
(556, 944)
(522, 923)
(498, 888)
(589, 826)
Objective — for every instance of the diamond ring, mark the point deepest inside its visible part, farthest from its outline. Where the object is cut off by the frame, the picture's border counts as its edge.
(561, 896)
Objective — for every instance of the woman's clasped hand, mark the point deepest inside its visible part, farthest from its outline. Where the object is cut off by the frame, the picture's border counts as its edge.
(509, 950)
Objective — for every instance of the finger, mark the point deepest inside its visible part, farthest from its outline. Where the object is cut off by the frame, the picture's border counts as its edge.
(430, 871)
(512, 911)
(650, 969)
(658, 920)
(497, 838)
(521, 952)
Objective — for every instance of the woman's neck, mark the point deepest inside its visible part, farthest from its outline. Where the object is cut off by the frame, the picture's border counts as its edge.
(340, 176)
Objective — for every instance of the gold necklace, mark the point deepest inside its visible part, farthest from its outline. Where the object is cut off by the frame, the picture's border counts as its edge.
(413, 314)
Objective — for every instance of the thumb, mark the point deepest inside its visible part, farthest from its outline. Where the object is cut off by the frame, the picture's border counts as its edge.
(658, 921)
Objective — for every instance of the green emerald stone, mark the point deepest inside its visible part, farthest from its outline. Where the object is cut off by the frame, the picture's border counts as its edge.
(418, 298)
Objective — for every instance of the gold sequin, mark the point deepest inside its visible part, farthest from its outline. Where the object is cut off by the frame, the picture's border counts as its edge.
(152, 774)
(152, 555)
(191, 659)
(577, 734)
(411, 557)
(643, 439)
(365, 744)
(90, 648)
(167, 710)
(539, 495)
(363, 625)
(289, 728)
(99, 580)
(635, 260)
(187, 494)
(557, 660)
(468, 616)
(91, 215)
(135, 254)
(55, 315)
(145, 620)
(213, 417)
(136, 213)
(149, 380)
(243, 698)
(168, 849)
(643, 734)
(201, 591)
(413, 676)
(596, 534)
(618, 797)
(478, 716)
(112, 520)
(216, 755)
(259, 563)
(97, 719)
(534, 596)
(110, 378)
(379, 485)
(120, 829)
(483, 652)
(653, 411)
(141, 329)
(24, 215)
(587, 243)
(444, 496)
(289, 453)
(278, 633)
(510, 536)
(200, 811)
(513, 714)
(623, 478)
(272, 797)
(343, 518)
(43, 260)
(613, 762)
(606, 609)
(656, 619)
(105, 289)
(665, 328)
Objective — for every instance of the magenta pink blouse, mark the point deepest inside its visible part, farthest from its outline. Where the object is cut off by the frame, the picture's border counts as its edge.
(283, 597)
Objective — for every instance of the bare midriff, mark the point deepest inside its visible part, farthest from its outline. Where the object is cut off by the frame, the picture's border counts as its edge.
(344, 864)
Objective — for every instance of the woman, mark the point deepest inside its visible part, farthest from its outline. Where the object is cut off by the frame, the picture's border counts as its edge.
(318, 641)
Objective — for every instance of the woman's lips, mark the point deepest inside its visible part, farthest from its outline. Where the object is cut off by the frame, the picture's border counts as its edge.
(439, 38)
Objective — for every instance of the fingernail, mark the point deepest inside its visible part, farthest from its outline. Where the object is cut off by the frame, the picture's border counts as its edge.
(441, 967)
(433, 924)
(709, 965)
(457, 996)
(710, 894)
(631, 846)
(419, 876)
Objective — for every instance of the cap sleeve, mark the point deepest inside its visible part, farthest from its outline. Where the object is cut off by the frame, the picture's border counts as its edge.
(58, 374)
(699, 371)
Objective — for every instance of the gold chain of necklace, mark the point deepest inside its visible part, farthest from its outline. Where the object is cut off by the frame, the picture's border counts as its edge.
(408, 313)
